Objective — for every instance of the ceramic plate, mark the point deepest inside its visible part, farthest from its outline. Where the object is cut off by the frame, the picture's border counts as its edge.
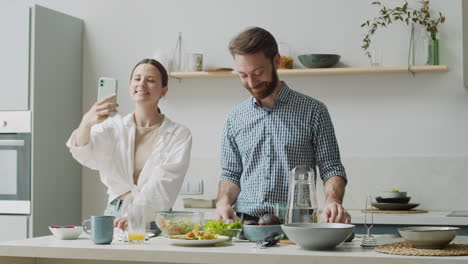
(394, 206)
(188, 242)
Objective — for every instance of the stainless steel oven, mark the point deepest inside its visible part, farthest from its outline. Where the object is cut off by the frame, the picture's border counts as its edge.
(15, 163)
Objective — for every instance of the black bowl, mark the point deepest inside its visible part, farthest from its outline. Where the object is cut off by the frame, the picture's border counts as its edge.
(402, 200)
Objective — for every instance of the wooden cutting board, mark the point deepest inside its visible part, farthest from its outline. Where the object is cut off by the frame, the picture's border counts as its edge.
(287, 241)
(377, 211)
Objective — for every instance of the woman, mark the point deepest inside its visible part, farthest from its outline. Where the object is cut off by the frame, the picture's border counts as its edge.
(143, 154)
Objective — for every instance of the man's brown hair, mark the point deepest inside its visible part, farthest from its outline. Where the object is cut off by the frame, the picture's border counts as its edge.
(253, 40)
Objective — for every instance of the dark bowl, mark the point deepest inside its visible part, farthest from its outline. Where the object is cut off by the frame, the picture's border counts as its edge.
(402, 200)
(319, 60)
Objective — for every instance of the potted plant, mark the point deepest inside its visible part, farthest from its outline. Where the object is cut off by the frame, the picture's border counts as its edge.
(407, 15)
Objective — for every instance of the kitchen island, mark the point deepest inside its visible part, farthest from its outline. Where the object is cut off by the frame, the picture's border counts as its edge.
(49, 250)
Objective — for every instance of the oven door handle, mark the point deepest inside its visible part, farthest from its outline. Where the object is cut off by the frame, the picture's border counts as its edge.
(12, 142)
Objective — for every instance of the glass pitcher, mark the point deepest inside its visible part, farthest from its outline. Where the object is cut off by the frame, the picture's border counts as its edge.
(302, 200)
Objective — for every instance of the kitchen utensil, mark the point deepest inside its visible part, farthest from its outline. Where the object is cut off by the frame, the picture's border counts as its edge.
(428, 236)
(270, 241)
(318, 235)
(66, 232)
(394, 206)
(256, 233)
(319, 60)
(102, 228)
(302, 202)
(368, 241)
(401, 200)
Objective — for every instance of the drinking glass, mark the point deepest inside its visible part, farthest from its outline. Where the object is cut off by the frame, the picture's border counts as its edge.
(376, 57)
(136, 223)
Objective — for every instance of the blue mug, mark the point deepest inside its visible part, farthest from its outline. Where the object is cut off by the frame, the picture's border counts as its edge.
(102, 228)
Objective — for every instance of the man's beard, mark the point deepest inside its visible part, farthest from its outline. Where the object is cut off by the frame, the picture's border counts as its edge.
(269, 87)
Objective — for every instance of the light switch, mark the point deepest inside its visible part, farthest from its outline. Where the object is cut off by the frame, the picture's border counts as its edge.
(192, 187)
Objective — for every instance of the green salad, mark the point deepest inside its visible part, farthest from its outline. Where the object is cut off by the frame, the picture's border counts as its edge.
(221, 228)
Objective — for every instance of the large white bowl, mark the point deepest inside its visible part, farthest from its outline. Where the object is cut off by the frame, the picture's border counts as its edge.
(66, 232)
(428, 236)
(318, 235)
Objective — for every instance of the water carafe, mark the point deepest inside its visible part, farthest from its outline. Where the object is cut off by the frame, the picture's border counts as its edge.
(302, 200)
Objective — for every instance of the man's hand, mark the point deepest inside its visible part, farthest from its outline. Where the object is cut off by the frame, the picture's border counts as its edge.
(224, 212)
(335, 213)
(121, 223)
(227, 194)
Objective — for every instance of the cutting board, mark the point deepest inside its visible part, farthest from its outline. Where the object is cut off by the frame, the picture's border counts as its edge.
(377, 211)
(287, 241)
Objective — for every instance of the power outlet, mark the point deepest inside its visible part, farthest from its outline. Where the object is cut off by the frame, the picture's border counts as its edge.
(192, 187)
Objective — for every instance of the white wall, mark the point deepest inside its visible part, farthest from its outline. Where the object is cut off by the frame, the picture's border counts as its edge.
(395, 130)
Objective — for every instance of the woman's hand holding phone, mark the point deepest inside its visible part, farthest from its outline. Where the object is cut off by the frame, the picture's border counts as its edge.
(100, 111)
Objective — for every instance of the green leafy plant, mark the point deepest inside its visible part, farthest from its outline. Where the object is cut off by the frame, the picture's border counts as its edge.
(404, 14)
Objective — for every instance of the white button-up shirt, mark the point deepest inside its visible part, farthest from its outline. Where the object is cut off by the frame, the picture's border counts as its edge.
(111, 151)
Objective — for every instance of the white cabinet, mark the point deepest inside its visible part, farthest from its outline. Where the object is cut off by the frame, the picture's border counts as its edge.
(14, 55)
(13, 227)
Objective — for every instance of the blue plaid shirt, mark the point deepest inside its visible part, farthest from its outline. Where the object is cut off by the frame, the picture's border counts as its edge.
(261, 145)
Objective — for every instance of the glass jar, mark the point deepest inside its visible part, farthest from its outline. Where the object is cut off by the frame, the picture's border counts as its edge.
(286, 56)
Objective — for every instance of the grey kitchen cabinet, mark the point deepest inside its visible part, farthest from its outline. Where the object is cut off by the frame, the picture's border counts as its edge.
(13, 227)
(14, 55)
(45, 86)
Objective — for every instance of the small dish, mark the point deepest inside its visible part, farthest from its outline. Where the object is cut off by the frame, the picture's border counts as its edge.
(66, 232)
(394, 206)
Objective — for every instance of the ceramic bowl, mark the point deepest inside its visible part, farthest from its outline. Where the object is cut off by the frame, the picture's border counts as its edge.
(391, 194)
(66, 232)
(402, 200)
(318, 60)
(256, 233)
(428, 236)
(318, 236)
(178, 222)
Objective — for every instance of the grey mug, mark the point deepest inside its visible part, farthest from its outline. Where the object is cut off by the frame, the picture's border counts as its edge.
(102, 228)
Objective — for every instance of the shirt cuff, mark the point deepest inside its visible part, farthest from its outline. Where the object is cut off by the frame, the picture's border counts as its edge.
(232, 178)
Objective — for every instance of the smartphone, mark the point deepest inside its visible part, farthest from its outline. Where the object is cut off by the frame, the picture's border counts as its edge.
(106, 88)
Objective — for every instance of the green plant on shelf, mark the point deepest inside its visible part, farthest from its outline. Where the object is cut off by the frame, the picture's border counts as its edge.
(387, 16)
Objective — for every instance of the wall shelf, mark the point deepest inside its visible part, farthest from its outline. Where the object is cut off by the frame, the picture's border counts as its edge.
(322, 71)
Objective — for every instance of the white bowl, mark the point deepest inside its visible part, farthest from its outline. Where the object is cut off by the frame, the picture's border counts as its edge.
(428, 236)
(66, 232)
(318, 235)
(393, 195)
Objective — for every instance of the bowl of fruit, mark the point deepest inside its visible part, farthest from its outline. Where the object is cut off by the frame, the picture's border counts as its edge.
(268, 226)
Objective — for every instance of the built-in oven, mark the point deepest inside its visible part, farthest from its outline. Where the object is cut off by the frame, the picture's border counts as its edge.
(15, 163)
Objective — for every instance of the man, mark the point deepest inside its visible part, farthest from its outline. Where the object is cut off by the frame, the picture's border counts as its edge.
(271, 133)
